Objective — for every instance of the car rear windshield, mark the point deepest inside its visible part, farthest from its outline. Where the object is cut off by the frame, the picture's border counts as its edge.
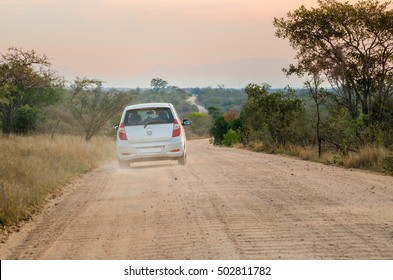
(148, 116)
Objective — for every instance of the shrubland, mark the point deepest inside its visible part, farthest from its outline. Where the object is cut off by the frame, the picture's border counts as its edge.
(348, 47)
(284, 122)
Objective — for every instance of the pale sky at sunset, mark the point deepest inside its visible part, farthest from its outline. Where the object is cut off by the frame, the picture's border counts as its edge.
(128, 42)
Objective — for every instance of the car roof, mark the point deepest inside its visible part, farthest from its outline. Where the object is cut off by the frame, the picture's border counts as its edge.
(149, 105)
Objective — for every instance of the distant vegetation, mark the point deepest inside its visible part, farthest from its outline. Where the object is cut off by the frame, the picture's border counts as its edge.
(221, 98)
(170, 94)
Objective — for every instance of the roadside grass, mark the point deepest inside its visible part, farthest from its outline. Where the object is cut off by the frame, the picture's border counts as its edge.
(367, 158)
(373, 158)
(33, 167)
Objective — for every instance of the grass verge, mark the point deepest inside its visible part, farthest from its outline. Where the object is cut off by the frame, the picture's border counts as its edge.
(377, 159)
(34, 166)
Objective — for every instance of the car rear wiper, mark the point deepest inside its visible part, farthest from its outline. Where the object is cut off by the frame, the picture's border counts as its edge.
(155, 122)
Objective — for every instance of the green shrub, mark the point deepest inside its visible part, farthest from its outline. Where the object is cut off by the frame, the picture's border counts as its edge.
(231, 137)
(218, 130)
(388, 164)
(26, 118)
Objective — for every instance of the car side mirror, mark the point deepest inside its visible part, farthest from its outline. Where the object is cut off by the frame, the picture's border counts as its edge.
(116, 126)
(186, 122)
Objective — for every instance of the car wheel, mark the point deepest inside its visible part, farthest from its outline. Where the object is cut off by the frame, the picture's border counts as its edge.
(124, 164)
(182, 160)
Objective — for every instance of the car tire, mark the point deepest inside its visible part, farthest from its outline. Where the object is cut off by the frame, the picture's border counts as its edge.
(124, 164)
(182, 160)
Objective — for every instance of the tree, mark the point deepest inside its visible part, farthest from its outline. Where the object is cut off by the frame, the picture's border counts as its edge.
(93, 107)
(26, 119)
(231, 115)
(214, 112)
(25, 79)
(158, 84)
(352, 46)
(218, 129)
(318, 95)
(270, 115)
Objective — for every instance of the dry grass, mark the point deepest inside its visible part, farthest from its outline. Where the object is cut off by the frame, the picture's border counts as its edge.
(372, 158)
(367, 158)
(32, 167)
(306, 153)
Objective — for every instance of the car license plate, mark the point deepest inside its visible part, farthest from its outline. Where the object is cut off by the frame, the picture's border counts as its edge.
(152, 150)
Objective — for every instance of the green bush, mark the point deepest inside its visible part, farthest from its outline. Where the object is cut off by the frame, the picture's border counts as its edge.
(388, 164)
(26, 118)
(218, 130)
(230, 138)
(276, 113)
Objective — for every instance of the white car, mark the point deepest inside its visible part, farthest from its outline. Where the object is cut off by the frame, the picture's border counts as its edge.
(151, 131)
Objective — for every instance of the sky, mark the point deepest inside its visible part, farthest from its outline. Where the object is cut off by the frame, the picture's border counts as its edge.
(126, 43)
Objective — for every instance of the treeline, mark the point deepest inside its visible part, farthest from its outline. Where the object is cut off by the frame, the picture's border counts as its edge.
(34, 99)
(287, 120)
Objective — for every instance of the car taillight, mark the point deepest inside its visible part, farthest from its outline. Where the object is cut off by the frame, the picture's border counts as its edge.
(122, 132)
(176, 128)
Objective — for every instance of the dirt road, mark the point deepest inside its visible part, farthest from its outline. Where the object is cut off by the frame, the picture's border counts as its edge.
(224, 204)
(192, 101)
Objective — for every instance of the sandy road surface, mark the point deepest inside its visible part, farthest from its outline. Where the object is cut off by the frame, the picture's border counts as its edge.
(224, 204)
(192, 101)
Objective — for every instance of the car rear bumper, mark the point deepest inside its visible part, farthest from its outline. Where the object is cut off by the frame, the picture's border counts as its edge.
(150, 151)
